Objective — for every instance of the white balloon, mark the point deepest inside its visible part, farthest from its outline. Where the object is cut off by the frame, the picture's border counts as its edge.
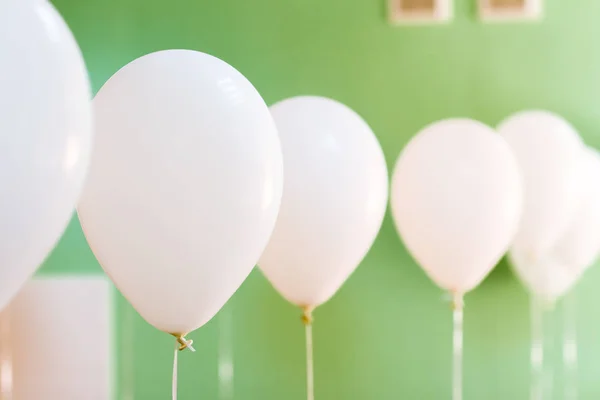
(548, 150)
(579, 246)
(547, 278)
(45, 136)
(184, 185)
(456, 200)
(334, 199)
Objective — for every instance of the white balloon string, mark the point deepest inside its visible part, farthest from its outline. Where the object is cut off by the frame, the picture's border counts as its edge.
(6, 366)
(225, 363)
(181, 344)
(457, 347)
(128, 386)
(570, 358)
(549, 331)
(174, 386)
(542, 345)
(537, 350)
(310, 374)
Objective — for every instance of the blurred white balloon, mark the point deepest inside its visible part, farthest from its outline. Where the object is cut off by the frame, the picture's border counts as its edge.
(456, 200)
(45, 136)
(579, 245)
(334, 199)
(547, 279)
(52, 317)
(549, 151)
(184, 186)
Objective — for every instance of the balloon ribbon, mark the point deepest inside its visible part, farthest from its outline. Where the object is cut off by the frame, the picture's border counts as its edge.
(307, 320)
(537, 350)
(181, 344)
(542, 345)
(570, 345)
(457, 346)
(226, 387)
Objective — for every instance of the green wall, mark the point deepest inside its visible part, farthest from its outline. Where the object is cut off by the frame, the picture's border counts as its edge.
(386, 334)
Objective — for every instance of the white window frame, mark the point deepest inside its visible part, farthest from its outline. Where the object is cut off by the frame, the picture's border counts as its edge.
(531, 11)
(442, 13)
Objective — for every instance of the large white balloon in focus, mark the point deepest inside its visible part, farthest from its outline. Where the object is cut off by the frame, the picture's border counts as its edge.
(45, 136)
(549, 151)
(334, 199)
(184, 186)
(456, 200)
(579, 246)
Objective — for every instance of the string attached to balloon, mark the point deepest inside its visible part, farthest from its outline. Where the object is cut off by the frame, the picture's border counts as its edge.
(175, 362)
(569, 350)
(549, 344)
(181, 343)
(225, 362)
(307, 320)
(537, 350)
(457, 346)
(542, 346)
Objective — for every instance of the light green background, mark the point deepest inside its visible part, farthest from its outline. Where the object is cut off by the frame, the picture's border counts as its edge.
(386, 334)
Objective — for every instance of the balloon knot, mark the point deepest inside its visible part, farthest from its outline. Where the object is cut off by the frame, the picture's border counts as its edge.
(183, 342)
(307, 317)
(457, 301)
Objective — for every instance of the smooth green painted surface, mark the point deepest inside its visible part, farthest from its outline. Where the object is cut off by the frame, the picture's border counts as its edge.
(386, 335)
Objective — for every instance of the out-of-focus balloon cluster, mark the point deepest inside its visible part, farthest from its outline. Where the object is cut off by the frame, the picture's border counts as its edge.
(559, 235)
(463, 195)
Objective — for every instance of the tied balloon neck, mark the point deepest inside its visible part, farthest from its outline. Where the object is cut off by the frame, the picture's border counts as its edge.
(544, 303)
(458, 302)
(307, 315)
(183, 342)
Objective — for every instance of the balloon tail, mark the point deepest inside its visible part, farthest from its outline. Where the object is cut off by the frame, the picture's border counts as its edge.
(183, 343)
(6, 366)
(457, 346)
(570, 346)
(307, 320)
